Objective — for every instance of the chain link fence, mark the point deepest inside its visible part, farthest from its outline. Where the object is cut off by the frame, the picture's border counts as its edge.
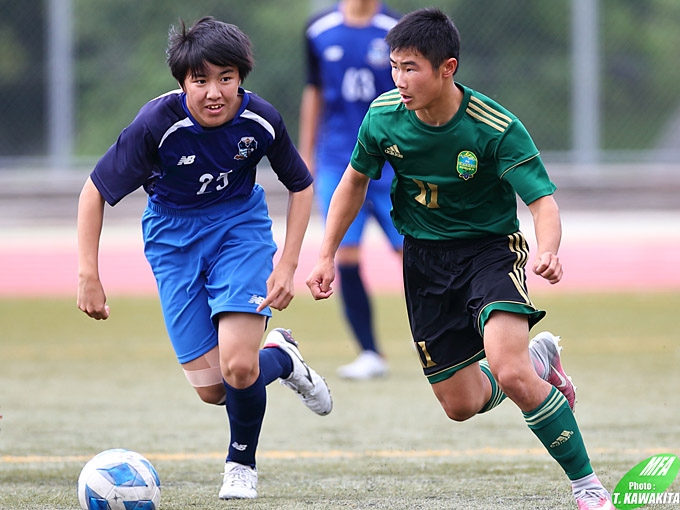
(519, 52)
(523, 53)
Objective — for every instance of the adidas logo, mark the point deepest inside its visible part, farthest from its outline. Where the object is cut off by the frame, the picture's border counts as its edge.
(393, 150)
(562, 438)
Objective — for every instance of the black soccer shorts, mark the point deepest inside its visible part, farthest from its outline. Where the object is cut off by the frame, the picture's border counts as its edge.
(451, 288)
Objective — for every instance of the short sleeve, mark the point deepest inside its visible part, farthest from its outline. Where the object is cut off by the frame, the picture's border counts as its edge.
(367, 157)
(520, 164)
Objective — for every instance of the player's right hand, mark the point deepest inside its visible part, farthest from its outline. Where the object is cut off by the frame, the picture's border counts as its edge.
(548, 266)
(92, 299)
(320, 279)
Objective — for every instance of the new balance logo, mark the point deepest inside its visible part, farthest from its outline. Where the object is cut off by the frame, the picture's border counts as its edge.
(562, 438)
(239, 447)
(186, 160)
(257, 300)
(393, 150)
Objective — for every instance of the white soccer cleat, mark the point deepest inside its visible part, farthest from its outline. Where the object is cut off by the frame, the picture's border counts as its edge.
(309, 385)
(368, 365)
(544, 350)
(239, 482)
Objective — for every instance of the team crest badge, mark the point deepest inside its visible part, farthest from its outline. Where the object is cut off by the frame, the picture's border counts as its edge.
(466, 165)
(246, 146)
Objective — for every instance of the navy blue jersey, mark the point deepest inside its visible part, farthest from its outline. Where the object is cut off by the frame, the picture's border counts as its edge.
(183, 165)
(351, 66)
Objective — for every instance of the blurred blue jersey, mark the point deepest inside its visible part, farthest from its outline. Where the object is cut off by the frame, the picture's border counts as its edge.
(351, 66)
(183, 165)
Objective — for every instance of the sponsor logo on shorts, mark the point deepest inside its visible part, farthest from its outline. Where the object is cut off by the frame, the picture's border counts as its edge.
(255, 299)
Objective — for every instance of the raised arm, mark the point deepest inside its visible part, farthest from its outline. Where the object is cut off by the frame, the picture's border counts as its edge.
(548, 229)
(91, 296)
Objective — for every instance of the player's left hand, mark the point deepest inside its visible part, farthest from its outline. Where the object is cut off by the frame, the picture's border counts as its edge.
(547, 265)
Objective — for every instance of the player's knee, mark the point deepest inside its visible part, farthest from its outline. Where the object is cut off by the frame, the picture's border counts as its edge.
(458, 410)
(512, 381)
(240, 373)
(208, 384)
(215, 395)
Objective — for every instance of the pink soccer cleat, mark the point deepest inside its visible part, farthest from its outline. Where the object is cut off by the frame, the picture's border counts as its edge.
(544, 350)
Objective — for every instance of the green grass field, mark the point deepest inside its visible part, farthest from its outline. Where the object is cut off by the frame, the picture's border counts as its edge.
(71, 387)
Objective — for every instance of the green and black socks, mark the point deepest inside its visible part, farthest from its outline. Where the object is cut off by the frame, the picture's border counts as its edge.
(555, 426)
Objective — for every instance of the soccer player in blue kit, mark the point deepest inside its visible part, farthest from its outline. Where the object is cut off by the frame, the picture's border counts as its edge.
(348, 66)
(207, 233)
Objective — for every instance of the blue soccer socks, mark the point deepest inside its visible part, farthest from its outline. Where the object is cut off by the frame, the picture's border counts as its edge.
(274, 363)
(245, 408)
(357, 306)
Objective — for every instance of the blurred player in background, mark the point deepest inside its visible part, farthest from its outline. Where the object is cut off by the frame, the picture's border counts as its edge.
(207, 233)
(347, 67)
(460, 160)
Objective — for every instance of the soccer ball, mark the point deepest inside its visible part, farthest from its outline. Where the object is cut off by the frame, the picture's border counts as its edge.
(119, 479)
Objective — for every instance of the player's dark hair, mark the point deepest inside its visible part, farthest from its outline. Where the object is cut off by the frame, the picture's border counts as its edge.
(208, 41)
(429, 32)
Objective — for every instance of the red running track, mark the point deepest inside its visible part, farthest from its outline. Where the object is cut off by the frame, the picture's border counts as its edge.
(627, 253)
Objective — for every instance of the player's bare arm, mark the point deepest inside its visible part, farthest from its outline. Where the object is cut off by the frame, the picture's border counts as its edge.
(311, 106)
(347, 200)
(280, 284)
(91, 296)
(548, 228)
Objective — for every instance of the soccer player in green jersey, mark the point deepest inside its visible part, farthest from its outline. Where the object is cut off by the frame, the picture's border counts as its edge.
(460, 159)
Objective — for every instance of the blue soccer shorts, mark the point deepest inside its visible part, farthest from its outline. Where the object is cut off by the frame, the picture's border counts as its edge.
(208, 261)
(377, 205)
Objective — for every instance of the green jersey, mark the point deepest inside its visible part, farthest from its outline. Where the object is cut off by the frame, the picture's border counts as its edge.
(459, 180)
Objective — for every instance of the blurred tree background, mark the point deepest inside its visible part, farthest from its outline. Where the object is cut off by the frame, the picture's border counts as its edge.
(518, 52)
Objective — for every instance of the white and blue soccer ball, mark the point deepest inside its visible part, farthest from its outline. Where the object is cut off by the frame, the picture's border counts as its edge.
(119, 479)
